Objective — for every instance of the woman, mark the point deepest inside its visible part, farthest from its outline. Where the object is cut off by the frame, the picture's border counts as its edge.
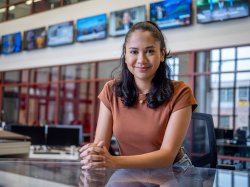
(148, 113)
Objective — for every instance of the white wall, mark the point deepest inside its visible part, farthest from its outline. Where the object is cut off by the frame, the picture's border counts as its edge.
(194, 37)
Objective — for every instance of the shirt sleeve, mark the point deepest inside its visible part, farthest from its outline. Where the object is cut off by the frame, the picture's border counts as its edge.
(183, 97)
(105, 95)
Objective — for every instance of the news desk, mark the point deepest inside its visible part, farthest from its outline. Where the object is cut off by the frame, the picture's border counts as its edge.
(38, 173)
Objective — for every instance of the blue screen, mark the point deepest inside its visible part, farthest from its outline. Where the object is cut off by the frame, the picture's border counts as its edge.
(220, 10)
(61, 34)
(91, 28)
(171, 13)
(11, 43)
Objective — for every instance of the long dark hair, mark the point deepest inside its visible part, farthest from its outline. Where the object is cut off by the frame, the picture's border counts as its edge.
(161, 85)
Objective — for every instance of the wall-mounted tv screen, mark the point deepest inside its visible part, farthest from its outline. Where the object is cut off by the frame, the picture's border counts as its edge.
(91, 28)
(121, 21)
(60, 34)
(171, 13)
(34, 39)
(11, 43)
(220, 10)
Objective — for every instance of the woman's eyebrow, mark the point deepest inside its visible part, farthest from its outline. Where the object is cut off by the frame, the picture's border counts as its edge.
(148, 47)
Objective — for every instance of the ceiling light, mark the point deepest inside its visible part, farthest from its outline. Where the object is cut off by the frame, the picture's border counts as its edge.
(36, 1)
(2, 10)
(12, 7)
(28, 2)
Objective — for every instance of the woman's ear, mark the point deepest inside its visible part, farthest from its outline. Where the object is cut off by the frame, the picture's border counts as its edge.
(163, 54)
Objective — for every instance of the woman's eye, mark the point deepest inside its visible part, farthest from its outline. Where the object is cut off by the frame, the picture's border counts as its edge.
(150, 51)
(133, 52)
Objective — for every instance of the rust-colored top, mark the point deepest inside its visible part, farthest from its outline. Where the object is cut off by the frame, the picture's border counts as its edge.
(140, 129)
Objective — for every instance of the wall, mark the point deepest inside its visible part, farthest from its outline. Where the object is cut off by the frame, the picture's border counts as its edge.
(194, 37)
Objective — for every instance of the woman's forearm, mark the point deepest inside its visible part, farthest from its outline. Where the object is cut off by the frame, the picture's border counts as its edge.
(156, 159)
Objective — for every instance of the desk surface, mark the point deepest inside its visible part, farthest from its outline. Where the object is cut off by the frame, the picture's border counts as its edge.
(22, 173)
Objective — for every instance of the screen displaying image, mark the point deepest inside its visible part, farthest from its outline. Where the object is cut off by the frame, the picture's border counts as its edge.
(35, 39)
(11, 43)
(171, 13)
(121, 21)
(91, 28)
(220, 10)
(61, 34)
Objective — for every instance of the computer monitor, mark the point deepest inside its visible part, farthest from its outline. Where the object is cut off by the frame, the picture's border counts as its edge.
(224, 133)
(64, 135)
(37, 134)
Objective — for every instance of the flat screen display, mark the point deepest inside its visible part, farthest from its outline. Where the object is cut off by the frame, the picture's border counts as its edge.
(64, 135)
(220, 10)
(91, 28)
(37, 134)
(60, 34)
(121, 21)
(11, 43)
(34, 39)
(171, 13)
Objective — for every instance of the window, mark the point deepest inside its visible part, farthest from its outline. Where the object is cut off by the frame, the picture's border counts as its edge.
(243, 93)
(226, 95)
(21, 8)
(224, 122)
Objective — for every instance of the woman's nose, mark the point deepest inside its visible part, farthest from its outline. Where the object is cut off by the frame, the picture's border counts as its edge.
(141, 58)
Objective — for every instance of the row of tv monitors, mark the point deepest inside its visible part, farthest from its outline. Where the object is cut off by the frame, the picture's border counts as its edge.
(167, 14)
(50, 135)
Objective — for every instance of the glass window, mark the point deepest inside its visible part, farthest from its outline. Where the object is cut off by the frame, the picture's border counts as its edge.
(215, 55)
(105, 69)
(243, 93)
(20, 10)
(11, 2)
(243, 64)
(226, 95)
(40, 6)
(76, 72)
(173, 63)
(2, 3)
(224, 122)
(228, 54)
(227, 66)
(10, 104)
(244, 52)
(183, 63)
(2, 14)
(227, 78)
(12, 76)
(43, 75)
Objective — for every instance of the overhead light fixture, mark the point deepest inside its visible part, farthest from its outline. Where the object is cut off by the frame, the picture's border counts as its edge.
(12, 7)
(37, 1)
(2, 10)
(28, 2)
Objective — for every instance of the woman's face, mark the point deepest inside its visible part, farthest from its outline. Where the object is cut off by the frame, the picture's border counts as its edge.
(143, 55)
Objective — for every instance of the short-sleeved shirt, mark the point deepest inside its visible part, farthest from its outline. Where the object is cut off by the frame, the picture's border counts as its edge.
(140, 129)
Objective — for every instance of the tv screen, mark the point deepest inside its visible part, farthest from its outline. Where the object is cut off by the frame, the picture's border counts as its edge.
(37, 134)
(34, 39)
(121, 21)
(64, 135)
(220, 10)
(171, 13)
(61, 34)
(11, 43)
(91, 28)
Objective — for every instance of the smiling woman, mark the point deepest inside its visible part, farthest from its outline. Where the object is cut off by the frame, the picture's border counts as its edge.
(147, 112)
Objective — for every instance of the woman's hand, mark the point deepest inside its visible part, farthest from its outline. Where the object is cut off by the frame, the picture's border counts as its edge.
(92, 155)
(96, 156)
